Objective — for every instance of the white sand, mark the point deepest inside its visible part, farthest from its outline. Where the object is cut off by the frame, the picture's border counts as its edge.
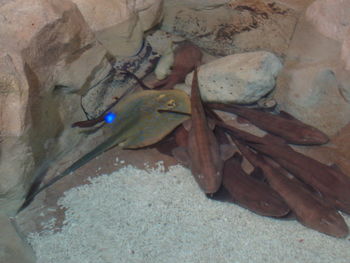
(134, 215)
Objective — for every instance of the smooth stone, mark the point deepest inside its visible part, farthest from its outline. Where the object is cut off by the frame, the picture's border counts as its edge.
(225, 28)
(240, 78)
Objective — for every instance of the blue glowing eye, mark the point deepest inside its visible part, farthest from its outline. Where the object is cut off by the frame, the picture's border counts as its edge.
(110, 117)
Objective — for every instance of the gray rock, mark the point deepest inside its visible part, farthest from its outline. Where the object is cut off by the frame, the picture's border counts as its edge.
(13, 249)
(239, 78)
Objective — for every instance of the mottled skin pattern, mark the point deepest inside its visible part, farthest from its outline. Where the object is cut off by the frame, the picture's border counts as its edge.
(203, 149)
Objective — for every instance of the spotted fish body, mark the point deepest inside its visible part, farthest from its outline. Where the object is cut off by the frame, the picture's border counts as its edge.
(138, 124)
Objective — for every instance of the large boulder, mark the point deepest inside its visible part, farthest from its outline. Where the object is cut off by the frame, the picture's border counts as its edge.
(313, 86)
(12, 97)
(313, 97)
(51, 54)
(119, 24)
(239, 78)
(330, 17)
(46, 34)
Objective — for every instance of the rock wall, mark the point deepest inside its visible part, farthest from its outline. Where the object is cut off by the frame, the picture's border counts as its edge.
(236, 26)
(315, 84)
(52, 53)
(13, 248)
(311, 38)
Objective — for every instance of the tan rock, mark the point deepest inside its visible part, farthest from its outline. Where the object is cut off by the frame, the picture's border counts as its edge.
(13, 96)
(343, 78)
(119, 24)
(13, 248)
(123, 39)
(150, 13)
(105, 14)
(17, 162)
(345, 51)
(52, 53)
(22, 21)
(40, 40)
(313, 97)
(309, 85)
(330, 17)
(235, 27)
(82, 73)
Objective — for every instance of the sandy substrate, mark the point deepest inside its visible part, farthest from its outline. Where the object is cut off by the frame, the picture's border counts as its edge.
(135, 215)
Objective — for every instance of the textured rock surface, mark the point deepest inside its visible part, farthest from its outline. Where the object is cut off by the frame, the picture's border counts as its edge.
(330, 17)
(13, 249)
(150, 12)
(343, 80)
(240, 78)
(233, 27)
(313, 76)
(115, 83)
(312, 86)
(36, 37)
(52, 53)
(345, 51)
(119, 24)
(313, 96)
(298, 5)
(12, 98)
(83, 73)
